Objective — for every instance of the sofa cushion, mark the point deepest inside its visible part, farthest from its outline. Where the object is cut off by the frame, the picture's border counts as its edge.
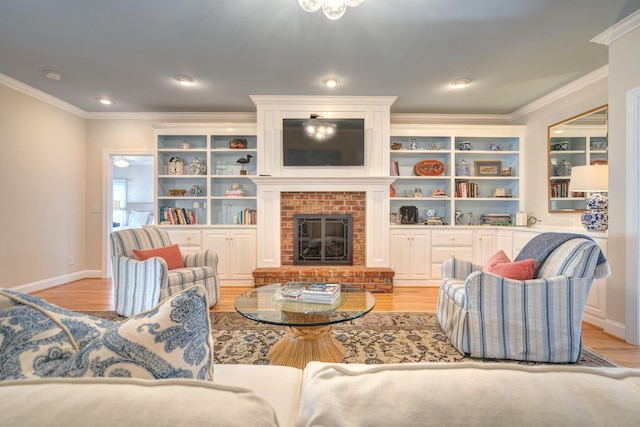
(109, 402)
(500, 265)
(171, 254)
(36, 337)
(172, 340)
(461, 394)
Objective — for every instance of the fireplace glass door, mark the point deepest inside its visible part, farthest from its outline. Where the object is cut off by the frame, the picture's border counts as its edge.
(323, 239)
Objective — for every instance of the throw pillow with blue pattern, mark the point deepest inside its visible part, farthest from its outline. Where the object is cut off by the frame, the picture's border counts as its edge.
(36, 337)
(172, 340)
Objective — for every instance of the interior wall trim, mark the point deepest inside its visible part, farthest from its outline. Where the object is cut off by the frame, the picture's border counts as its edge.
(618, 30)
(41, 96)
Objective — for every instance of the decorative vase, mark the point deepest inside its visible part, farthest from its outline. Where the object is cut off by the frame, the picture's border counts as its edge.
(459, 217)
(564, 168)
(596, 217)
(462, 168)
(197, 167)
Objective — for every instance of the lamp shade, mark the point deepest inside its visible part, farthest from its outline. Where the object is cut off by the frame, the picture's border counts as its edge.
(589, 178)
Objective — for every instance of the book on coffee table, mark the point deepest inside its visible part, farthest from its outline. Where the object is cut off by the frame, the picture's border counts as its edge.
(321, 293)
(290, 291)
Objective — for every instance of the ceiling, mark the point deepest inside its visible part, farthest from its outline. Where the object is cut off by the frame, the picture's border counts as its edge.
(515, 51)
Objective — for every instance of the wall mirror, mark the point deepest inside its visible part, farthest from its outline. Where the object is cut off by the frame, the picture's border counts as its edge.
(579, 140)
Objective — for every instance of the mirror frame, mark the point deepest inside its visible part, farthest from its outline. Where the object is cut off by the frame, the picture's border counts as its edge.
(587, 131)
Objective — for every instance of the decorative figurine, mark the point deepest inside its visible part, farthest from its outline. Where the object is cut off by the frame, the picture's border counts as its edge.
(243, 161)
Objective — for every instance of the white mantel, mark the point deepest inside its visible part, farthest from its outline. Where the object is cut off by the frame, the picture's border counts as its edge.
(274, 178)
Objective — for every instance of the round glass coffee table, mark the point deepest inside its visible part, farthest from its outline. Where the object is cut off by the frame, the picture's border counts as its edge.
(308, 325)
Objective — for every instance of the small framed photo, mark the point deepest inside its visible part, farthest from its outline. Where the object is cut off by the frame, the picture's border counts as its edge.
(488, 167)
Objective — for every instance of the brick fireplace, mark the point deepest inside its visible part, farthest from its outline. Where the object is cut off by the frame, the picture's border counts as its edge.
(375, 279)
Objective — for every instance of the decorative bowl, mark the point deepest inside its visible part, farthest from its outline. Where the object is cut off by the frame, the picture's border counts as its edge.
(238, 143)
(464, 145)
(428, 168)
(396, 145)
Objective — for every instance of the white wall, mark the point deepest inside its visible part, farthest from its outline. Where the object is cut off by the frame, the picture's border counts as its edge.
(624, 75)
(43, 207)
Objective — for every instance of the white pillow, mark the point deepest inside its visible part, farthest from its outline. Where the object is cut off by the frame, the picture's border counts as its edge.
(138, 218)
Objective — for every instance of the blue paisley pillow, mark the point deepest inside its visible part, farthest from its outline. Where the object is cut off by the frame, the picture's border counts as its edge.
(172, 340)
(36, 337)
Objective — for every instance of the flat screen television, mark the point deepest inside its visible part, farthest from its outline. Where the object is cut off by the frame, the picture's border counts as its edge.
(343, 145)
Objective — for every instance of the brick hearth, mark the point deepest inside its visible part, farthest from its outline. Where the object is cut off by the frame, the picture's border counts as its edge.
(373, 279)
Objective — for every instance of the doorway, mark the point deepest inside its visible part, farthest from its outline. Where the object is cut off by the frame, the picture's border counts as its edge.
(129, 194)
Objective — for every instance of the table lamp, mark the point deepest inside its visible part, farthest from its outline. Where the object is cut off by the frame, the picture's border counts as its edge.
(592, 179)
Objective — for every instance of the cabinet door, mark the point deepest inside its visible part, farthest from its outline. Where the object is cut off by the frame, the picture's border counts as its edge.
(218, 240)
(519, 240)
(596, 302)
(242, 254)
(400, 260)
(409, 254)
(486, 245)
(505, 242)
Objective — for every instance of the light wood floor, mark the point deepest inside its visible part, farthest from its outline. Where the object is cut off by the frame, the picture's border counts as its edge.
(96, 294)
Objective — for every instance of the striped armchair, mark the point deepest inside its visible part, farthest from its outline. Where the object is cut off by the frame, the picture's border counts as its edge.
(140, 285)
(488, 316)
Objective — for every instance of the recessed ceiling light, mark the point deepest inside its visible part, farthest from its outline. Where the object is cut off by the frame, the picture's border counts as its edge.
(331, 82)
(460, 83)
(52, 75)
(105, 101)
(185, 80)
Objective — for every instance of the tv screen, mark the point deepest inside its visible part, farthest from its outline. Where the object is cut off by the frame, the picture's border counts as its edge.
(323, 142)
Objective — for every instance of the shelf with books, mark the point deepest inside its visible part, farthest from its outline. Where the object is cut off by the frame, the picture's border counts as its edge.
(492, 184)
(197, 166)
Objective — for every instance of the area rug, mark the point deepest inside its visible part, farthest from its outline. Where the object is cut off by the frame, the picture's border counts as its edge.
(376, 338)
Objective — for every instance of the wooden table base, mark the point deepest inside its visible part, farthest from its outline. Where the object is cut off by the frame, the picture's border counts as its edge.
(304, 344)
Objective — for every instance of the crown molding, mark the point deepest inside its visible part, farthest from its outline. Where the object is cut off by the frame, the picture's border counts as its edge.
(41, 96)
(213, 117)
(568, 89)
(629, 23)
(415, 119)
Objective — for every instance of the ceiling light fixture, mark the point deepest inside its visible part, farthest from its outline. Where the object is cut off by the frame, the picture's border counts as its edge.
(121, 162)
(185, 80)
(331, 82)
(333, 9)
(318, 129)
(105, 101)
(460, 83)
(52, 75)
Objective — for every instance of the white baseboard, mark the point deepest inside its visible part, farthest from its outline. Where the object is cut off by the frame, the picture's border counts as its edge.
(56, 281)
(616, 329)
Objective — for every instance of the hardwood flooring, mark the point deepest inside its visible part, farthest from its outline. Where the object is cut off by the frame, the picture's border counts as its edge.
(97, 294)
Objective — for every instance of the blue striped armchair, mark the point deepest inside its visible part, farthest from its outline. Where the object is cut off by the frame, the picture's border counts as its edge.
(489, 316)
(140, 285)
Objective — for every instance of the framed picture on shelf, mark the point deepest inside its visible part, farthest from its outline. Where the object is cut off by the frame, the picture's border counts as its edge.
(488, 167)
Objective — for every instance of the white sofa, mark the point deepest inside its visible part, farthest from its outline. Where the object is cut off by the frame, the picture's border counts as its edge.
(478, 394)
(61, 368)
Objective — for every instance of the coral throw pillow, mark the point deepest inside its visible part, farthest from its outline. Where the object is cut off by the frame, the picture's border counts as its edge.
(171, 255)
(501, 265)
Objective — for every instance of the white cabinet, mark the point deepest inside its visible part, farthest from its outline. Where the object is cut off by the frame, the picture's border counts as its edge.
(486, 244)
(449, 244)
(410, 255)
(596, 311)
(189, 241)
(426, 176)
(236, 249)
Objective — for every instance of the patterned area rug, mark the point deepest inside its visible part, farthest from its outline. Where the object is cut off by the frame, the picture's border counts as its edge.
(376, 338)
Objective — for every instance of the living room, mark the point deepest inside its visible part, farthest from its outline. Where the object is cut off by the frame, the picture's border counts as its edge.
(58, 149)
(57, 166)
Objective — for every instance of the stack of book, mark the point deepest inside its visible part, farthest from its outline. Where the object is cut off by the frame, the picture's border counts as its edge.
(290, 292)
(321, 293)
